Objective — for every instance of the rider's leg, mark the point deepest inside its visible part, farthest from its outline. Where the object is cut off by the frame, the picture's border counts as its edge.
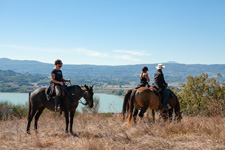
(166, 95)
(58, 96)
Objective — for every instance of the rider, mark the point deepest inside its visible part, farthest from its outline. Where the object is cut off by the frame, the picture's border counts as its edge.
(161, 84)
(57, 81)
(144, 79)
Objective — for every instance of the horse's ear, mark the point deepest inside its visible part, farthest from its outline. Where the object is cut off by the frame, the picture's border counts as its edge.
(86, 86)
(92, 86)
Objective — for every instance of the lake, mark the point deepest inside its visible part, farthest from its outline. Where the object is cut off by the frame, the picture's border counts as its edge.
(108, 103)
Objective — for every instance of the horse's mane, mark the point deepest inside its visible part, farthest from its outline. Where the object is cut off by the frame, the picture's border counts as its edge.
(73, 86)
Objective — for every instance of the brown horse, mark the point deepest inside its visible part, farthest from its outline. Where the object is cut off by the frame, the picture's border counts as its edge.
(172, 100)
(38, 102)
(126, 102)
(143, 98)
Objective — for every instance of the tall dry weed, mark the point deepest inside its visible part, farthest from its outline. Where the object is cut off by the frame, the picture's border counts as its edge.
(109, 132)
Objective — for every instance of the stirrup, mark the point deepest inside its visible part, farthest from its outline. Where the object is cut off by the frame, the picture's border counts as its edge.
(57, 109)
(168, 106)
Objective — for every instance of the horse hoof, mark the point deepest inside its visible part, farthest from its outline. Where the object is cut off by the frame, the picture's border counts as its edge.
(74, 134)
(66, 131)
(28, 132)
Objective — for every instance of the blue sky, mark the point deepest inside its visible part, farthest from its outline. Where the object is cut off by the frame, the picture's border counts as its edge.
(113, 32)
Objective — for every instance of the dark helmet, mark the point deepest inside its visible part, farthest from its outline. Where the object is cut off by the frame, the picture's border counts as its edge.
(58, 61)
(145, 68)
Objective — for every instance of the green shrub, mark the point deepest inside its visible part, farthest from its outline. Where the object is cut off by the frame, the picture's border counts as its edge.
(8, 111)
(202, 95)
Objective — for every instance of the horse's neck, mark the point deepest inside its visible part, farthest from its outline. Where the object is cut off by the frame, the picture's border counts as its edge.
(78, 91)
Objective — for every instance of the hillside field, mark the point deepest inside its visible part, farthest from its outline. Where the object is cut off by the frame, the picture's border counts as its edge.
(107, 131)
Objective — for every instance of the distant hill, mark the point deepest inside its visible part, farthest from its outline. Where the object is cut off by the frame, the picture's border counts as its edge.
(174, 72)
(11, 81)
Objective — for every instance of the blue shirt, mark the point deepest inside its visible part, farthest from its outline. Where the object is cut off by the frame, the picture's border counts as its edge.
(58, 75)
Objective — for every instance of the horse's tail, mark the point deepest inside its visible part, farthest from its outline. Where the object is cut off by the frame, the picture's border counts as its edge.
(131, 108)
(125, 103)
(29, 109)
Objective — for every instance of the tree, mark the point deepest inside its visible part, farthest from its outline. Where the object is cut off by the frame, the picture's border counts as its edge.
(203, 95)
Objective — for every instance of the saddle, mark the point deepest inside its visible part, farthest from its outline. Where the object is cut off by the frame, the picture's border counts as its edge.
(156, 91)
(50, 91)
(160, 94)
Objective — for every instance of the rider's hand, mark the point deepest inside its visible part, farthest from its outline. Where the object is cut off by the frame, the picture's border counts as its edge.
(61, 83)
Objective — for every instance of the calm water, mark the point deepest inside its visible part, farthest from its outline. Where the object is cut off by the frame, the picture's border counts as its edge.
(108, 103)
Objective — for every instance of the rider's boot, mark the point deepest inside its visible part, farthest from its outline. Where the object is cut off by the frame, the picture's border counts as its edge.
(57, 105)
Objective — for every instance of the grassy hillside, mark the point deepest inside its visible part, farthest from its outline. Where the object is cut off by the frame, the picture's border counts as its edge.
(100, 131)
(11, 81)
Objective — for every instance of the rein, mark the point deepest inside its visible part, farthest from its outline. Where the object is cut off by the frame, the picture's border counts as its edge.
(79, 101)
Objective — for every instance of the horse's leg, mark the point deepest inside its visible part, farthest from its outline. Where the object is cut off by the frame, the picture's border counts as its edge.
(71, 120)
(67, 120)
(37, 116)
(170, 115)
(165, 115)
(153, 115)
(143, 110)
(31, 115)
(135, 114)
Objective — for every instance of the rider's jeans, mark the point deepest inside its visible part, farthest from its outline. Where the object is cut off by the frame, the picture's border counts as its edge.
(166, 95)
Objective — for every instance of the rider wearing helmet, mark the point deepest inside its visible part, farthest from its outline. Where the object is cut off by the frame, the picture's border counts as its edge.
(57, 81)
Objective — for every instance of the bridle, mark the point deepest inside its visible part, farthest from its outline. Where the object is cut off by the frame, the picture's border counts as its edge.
(70, 95)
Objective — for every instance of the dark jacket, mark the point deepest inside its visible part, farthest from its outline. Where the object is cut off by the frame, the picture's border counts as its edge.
(159, 80)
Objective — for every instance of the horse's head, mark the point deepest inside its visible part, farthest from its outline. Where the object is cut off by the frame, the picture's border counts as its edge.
(88, 94)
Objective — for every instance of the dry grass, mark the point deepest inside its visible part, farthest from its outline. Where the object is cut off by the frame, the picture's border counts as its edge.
(108, 132)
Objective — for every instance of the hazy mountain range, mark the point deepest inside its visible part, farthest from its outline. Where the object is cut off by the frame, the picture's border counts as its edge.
(174, 72)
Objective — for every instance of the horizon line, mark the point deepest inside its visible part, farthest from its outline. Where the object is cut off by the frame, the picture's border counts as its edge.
(169, 62)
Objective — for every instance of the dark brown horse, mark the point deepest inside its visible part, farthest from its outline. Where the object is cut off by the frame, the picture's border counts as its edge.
(175, 105)
(38, 102)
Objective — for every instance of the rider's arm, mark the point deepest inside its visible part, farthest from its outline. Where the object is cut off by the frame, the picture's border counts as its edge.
(141, 76)
(164, 82)
(64, 80)
(53, 79)
(146, 76)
